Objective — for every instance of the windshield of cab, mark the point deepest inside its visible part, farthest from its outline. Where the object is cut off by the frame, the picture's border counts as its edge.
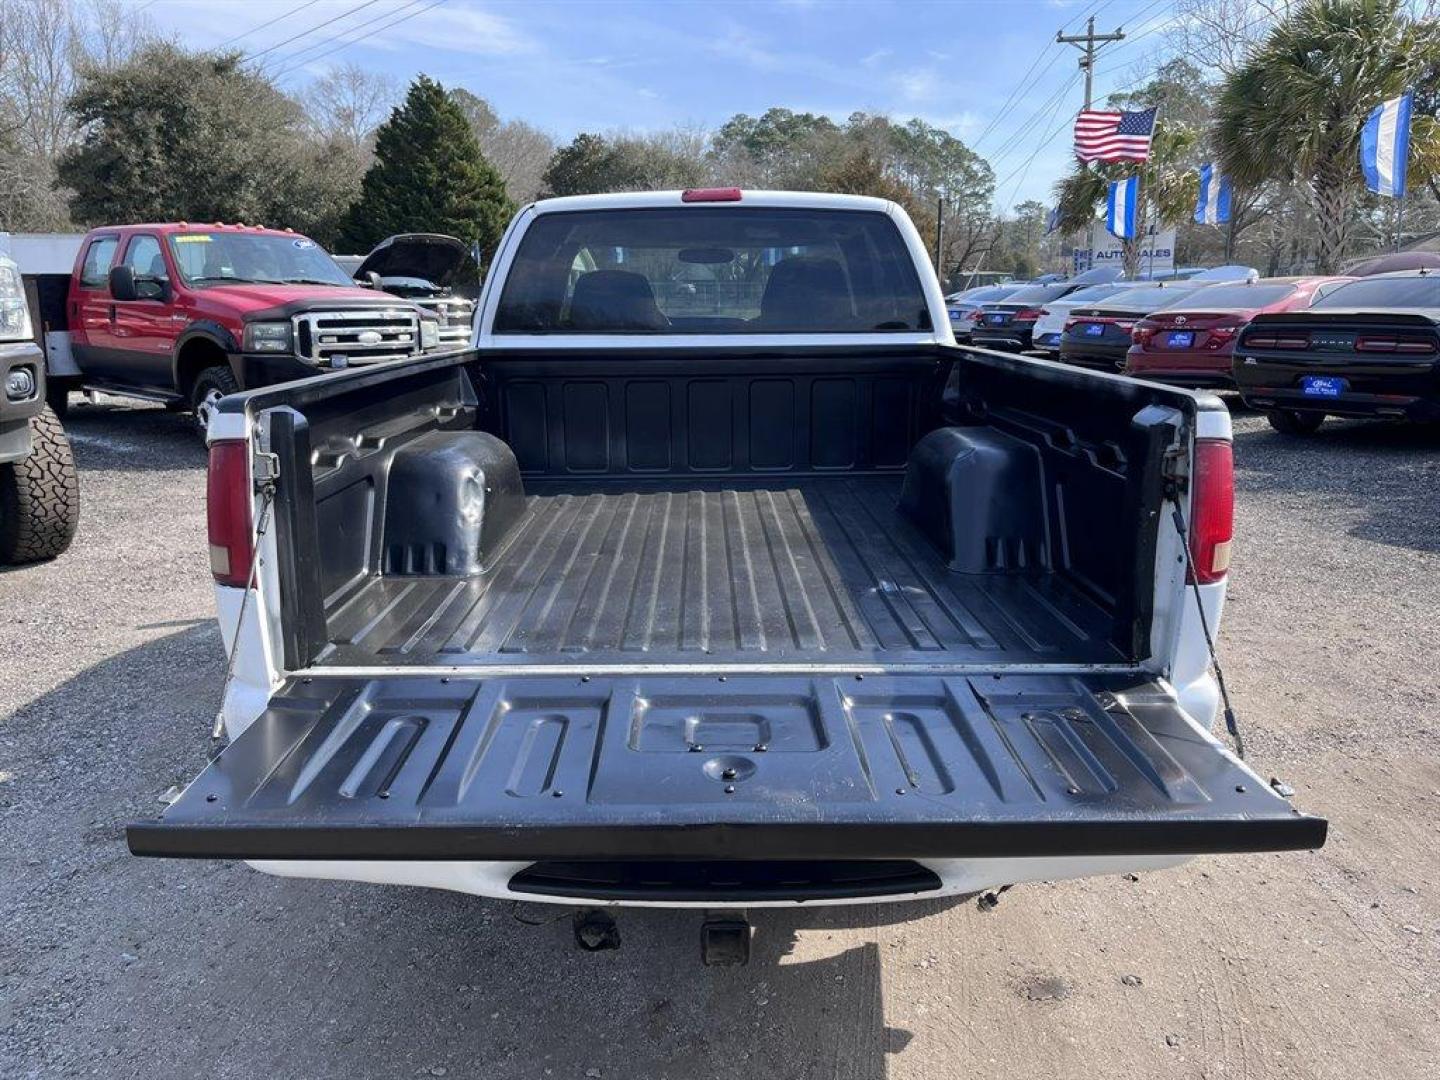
(228, 258)
(712, 270)
(14, 314)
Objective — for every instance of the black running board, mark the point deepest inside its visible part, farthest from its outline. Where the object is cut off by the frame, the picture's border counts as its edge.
(751, 768)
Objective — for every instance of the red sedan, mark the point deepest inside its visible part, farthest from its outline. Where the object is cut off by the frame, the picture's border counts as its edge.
(1191, 345)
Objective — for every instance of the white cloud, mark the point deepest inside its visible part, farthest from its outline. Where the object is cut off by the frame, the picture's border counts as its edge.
(459, 29)
(922, 84)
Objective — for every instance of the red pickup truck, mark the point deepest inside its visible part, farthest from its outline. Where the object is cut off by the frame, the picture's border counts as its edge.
(185, 314)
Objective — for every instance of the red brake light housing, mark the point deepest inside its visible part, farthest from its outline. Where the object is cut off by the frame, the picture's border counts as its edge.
(1028, 313)
(1212, 510)
(1142, 334)
(227, 511)
(1393, 344)
(1218, 337)
(711, 194)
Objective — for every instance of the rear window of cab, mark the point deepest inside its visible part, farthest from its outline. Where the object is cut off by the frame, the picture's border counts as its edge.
(1382, 292)
(712, 270)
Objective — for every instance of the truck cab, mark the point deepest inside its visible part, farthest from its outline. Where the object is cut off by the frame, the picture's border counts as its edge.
(184, 314)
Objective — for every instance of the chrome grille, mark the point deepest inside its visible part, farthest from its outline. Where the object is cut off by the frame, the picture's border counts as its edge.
(455, 314)
(361, 337)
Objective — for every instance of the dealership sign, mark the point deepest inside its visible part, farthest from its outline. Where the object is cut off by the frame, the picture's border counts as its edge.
(1157, 254)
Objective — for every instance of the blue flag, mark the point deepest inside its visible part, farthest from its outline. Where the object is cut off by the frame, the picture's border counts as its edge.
(1120, 208)
(1385, 146)
(1213, 205)
(1052, 220)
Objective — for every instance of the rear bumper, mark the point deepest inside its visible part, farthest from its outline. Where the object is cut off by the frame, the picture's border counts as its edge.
(1193, 378)
(1380, 388)
(1355, 406)
(510, 880)
(1096, 359)
(1009, 337)
(758, 768)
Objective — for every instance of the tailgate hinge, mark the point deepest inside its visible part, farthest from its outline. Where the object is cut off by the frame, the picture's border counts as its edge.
(265, 467)
(1175, 470)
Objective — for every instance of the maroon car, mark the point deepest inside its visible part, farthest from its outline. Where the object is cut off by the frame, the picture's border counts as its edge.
(1191, 345)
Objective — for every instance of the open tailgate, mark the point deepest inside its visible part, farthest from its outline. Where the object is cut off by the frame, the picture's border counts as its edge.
(699, 767)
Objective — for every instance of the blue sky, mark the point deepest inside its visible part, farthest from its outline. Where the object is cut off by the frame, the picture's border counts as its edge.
(596, 65)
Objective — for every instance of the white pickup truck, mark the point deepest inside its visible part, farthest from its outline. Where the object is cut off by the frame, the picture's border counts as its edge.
(714, 574)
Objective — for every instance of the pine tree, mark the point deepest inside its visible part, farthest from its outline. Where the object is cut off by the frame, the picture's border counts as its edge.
(429, 176)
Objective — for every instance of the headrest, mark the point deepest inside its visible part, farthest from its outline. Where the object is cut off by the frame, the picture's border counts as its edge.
(615, 300)
(806, 291)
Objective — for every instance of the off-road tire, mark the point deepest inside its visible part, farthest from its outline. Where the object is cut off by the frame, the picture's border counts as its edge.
(210, 385)
(39, 496)
(1288, 422)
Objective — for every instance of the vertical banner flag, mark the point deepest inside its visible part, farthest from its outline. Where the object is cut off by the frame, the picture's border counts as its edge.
(1052, 220)
(1120, 216)
(1213, 205)
(1385, 146)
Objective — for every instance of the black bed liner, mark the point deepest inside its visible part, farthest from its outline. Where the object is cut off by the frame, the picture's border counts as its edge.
(820, 571)
(745, 768)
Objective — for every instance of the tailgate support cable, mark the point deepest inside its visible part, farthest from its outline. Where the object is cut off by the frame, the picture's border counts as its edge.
(266, 486)
(1231, 724)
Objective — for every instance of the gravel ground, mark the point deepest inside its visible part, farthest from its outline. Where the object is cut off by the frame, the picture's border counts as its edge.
(1284, 965)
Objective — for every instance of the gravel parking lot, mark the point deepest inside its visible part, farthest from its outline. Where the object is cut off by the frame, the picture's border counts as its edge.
(1293, 965)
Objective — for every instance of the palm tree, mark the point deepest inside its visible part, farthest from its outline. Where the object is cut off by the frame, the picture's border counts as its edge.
(1168, 187)
(1293, 111)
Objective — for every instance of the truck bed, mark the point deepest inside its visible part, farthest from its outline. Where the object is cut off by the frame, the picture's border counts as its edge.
(823, 571)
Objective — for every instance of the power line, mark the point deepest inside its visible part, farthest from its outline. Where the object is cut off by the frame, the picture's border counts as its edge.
(1257, 21)
(1017, 137)
(1020, 86)
(379, 29)
(1023, 169)
(292, 60)
(268, 22)
(306, 33)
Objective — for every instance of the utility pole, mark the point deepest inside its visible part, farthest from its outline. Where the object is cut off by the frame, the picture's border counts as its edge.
(940, 237)
(1089, 44)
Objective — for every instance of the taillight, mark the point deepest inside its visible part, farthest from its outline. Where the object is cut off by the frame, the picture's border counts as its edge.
(1029, 313)
(1141, 335)
(227, 511)
(711, 194)
(1218, 336)
(976, 315)
(1070, 324)
(1292, 341)
(1212, 509)
(1393, 345)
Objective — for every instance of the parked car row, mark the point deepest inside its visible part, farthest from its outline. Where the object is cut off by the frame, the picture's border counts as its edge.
(1369, 349)
(1298, 348)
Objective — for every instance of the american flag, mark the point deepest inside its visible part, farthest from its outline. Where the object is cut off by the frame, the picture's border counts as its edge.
(1114, 136)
